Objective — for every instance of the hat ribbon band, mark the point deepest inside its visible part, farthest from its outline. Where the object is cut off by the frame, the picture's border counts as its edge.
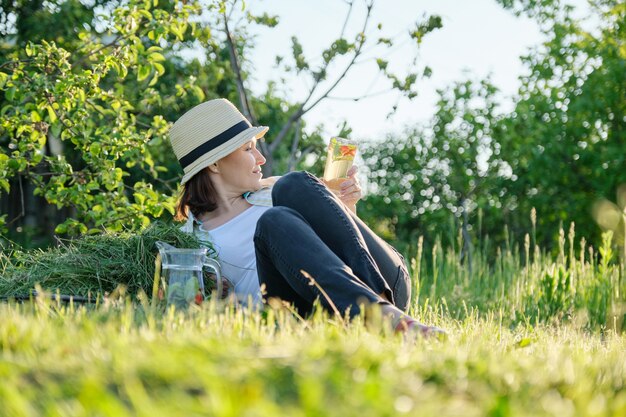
(213, 143)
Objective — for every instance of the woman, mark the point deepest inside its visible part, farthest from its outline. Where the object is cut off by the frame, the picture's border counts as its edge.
(282, 233)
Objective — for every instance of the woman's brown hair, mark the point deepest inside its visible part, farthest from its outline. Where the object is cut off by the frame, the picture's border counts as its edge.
(198, 196)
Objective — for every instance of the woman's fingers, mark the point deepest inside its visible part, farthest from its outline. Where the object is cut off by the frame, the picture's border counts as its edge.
(350, 191)
(227, 286)
(351, 197)
(350, 185)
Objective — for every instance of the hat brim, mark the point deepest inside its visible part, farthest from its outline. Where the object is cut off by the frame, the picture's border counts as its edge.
(223, 150)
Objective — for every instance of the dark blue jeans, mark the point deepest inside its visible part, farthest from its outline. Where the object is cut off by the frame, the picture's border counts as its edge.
(309, 229)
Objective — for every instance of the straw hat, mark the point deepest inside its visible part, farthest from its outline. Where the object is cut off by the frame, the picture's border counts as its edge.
(209, 132)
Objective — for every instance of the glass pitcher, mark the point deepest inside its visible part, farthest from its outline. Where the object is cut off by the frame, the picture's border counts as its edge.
(182, 270)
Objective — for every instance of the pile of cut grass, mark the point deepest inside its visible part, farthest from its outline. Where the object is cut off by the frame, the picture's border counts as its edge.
(90, 265)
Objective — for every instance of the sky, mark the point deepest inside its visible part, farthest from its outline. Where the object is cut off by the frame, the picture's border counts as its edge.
(478, 39)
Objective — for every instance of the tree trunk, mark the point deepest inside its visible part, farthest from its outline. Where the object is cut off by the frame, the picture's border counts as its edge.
(466, 251)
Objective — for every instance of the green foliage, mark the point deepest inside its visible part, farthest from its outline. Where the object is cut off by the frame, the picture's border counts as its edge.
(559, 153)
(555, 292)
(531, 287)
(406, 85)
(296, 50)
(453, 168)
(337, 48)
(274, 111)
(611, 217)
(423, 28)
(264, 19)
(86, 105)
(34, 21)
(81, 99)
(565, 140)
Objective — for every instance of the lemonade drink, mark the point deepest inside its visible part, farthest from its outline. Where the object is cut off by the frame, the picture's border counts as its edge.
(339, 159)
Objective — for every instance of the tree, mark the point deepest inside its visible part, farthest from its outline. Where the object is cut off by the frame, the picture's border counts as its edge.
(451, 169)
(346, 52)
(566, 138)
(464, 164)
(86, 105)
(72, 124)
(559, 154)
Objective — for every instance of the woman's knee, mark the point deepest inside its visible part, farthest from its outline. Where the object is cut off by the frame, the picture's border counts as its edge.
(272, 218)
(402, 290)
(290, 183)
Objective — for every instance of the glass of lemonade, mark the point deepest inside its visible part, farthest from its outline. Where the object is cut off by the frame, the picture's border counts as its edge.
(340, 157)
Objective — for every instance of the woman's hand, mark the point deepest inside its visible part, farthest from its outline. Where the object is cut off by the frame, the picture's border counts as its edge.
(269, 181)
(227, 286)
(350, 189)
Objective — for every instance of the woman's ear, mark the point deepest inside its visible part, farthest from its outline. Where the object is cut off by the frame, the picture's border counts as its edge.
(214, 169)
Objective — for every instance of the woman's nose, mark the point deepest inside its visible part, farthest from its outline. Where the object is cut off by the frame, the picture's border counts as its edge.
(260, 158)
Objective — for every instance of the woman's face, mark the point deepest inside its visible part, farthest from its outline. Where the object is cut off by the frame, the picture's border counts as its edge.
(241, 170)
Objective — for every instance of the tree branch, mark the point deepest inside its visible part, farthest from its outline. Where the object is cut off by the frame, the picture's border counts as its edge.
(304, 153)
(294, 146)
(300, 111)
(357, 53)
(295, 116)
(23, 212)
(393, 48)
(345, 22)
(466, 250)
(102, 47)
(15, 62)
(243, 95)
(234, 63)
(366, 96)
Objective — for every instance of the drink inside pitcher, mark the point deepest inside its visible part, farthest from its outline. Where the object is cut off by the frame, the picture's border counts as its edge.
(183, 285)
(340, 157)
(182, 270)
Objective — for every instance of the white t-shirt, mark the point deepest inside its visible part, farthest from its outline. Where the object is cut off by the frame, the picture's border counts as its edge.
(234, 243)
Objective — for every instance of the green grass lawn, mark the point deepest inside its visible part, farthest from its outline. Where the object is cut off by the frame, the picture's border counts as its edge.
(116, 361)
(530, 334)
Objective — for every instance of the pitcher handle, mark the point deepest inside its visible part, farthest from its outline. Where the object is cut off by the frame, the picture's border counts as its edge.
(217, 268)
